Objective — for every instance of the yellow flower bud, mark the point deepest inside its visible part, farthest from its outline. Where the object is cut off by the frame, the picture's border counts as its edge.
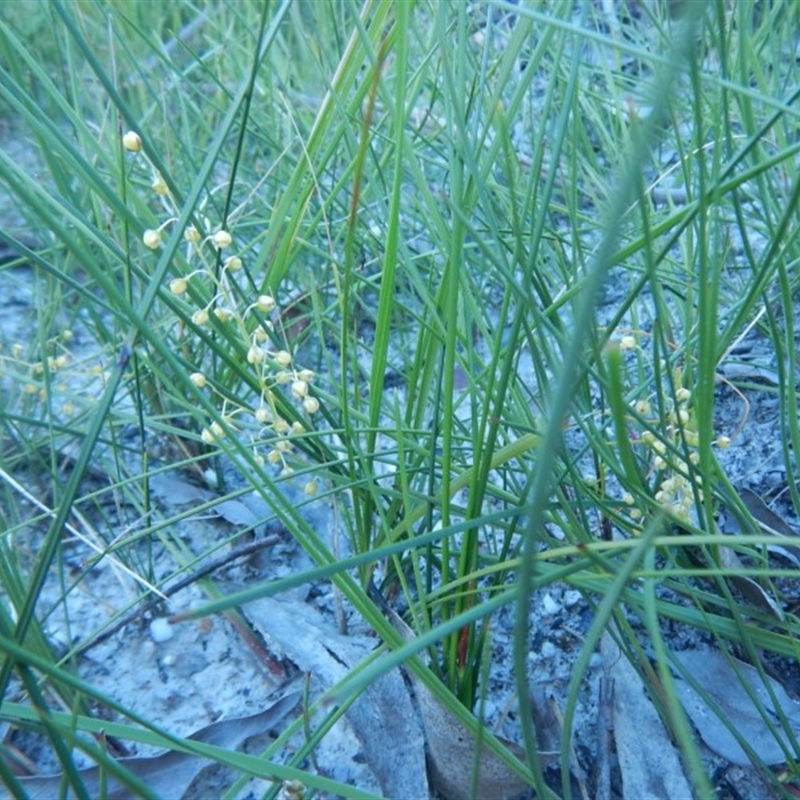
(152, 239)
(200, 317)
(310, 489)
(255, 355)
(198, 379)
(217, 430)
(222, 239)
(178, 286)
(159, 186)
(283, 358)
(311, 405)
(627, 343)
(132, 142)
(221, 313)
(233, 263)
(191, 235)
(298, 428)
(265, 303)
(274, 457)
(723, 442)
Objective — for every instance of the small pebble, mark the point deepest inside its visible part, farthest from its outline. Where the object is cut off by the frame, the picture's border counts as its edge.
(548, 649)
(549, 605)
(572, 597)
(161, 630)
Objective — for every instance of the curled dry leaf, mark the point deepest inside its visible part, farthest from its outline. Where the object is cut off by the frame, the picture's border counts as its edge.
(171, 773)
(452, 747)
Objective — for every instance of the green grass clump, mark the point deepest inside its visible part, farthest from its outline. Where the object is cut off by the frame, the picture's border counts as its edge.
(360, 250)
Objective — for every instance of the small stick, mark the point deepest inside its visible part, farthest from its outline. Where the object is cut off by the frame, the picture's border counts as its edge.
(605, 738)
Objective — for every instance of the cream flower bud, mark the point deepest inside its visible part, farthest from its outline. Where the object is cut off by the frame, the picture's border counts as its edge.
(233, 263)
(306, 375)
(723, 442)
(217, 430)
(198, 379)
(283, 358)
(152, 239)
(207, 436)
(178, 286)
(255, 355)
(132, 142)
(274, 457)
(265, 303)
(222, 314)
(298, 428)
(200, 317)
(159, 185)
(222, 239)
(310, 489)
(191, 235)
(281, 425)
(262, 415)
(627, 343)
(310, 405)
(682, 395)
(299, 389)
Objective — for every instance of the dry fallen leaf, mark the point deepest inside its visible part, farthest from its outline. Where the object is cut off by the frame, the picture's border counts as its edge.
(171, 773)
(649, 763)
(382, 714)
(452, 748)
(452, 751)
(732, 685)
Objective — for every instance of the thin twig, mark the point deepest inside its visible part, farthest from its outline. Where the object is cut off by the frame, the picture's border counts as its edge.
(151, 603)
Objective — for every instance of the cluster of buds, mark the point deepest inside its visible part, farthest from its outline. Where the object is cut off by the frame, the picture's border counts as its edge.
(673, 453)
(225, 303)
(54, 371)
